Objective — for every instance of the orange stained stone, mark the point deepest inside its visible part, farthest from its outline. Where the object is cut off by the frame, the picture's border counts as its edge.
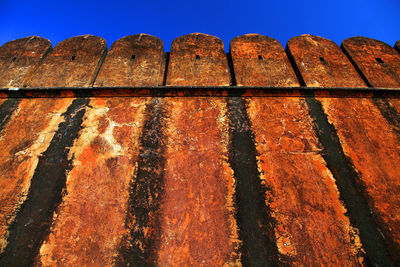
(198, 59)
(311, 224)
(133, 60)
(73, 62)
(90, 221)
(24, 138)
(198, 226)
(378, 61)
(375, 155)
(259, 60)
(322, 63)
(19, 58)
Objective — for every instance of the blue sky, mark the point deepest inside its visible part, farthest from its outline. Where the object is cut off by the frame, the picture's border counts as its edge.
(335, 20)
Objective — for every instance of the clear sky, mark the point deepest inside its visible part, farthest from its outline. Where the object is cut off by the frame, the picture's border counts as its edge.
(282, 20)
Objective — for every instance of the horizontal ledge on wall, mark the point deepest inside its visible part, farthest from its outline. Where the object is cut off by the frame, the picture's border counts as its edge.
(201, 91)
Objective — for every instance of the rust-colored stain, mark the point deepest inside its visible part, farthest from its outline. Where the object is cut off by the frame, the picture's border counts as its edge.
(378, 61)
(322, 63)
(89, 223)
(72, 63)
(197, 213)
(261, 61)
(198, 59)
(310, 221)
(373, 147)
(133, 60)
(365, 135)
(19, 58)
(23, 139)
(311, 225)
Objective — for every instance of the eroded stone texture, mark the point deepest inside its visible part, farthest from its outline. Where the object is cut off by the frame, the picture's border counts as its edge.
(198, 226)
(378, 61)
(25, 137)
(134, 60)
(72, 63)
(373, 148)
(322, 63)
(310, 222)
(259, 60)
(198, 59)
(19, 58)
(366, 138)
(395, 102)
(90, 222)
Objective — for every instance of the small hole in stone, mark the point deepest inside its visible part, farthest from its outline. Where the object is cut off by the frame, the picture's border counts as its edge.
(133, 57)
(260, 57)
(322, 59)
(197, 57)
(379, 60)
(14, 58)
(73, 58)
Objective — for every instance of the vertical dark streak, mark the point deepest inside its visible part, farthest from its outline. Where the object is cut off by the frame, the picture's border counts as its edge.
(348, 182)
(231, 69)
(356, 67)
(32, 222)
(7, 109)
(389, 112)
(393, 118)
(295, 67)
(140, 246)
(397, 48)
(383, 104)
(166, 68)
(98, 67)
(256, 225)
(30, 74)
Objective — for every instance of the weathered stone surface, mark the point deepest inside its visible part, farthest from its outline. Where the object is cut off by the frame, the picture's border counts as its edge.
(378, 61)
(197, 224)
(19, 58)
(134, 60)
(310, 222)
(302, 194)
(322, 62)
(366, 138)
(22, 141)
(369, 141)
(72, 63)
(259, 60)
(198, 59)
(163, 181)
(395, 103)
(90, 221)
(197, 213)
